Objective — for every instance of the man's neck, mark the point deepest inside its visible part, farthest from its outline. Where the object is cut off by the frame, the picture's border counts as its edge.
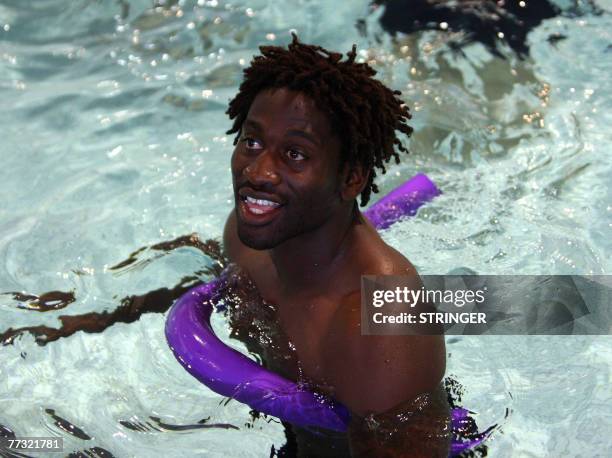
(312, 258)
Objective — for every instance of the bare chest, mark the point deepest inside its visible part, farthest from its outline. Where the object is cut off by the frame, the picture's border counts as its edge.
(307, 338)
(315, 330)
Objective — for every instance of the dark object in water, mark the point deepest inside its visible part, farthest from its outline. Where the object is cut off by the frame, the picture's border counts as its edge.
(131, 307)
(51, 300)
(130, 310)
(555, 38)
(6, 432)
(202, 424)
(483, 21)
(93, 452)
(66, 426)
(159, 425)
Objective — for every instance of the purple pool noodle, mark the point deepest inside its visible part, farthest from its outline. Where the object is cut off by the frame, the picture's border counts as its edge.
(230, 373)
(403, 201)
(459, 418)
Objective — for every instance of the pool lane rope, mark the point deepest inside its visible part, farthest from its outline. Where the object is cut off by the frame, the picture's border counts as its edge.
(232, 374)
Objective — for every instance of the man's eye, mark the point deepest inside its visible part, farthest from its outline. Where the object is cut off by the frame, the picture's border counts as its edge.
(251, 143)
(295, 155)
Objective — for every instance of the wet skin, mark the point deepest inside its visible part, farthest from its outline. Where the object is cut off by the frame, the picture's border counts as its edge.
(297, 234)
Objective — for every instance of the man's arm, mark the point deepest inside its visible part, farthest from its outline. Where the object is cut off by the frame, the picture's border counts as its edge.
(417, 428)
(395, 397)
(399, 408)
(131, 307)
(391, 384)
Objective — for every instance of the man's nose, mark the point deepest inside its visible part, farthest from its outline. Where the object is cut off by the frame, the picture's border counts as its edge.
(262, 170)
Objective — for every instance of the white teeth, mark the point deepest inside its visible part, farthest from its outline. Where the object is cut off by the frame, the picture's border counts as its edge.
(268, 203)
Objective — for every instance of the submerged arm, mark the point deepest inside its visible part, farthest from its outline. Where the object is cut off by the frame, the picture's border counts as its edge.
(416, 428)
(391, 384)
(131, 307)
(399, 408)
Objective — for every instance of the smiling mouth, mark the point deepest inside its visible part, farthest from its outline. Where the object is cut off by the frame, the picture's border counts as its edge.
(258, 211)
(259, 206)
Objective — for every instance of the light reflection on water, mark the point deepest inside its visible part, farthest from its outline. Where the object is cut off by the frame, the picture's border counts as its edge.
(113, 138)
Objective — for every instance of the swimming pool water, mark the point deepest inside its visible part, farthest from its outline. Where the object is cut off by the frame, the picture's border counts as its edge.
(112, 127)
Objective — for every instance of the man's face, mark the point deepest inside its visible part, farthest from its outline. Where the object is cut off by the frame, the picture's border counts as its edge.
(285, 169)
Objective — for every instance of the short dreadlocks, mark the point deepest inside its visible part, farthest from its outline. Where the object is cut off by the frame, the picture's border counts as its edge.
(365, 113)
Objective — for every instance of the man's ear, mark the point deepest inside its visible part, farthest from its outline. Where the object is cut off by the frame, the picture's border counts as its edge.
(354, 178)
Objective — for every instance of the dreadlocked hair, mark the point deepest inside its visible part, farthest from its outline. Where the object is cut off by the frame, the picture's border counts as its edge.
(364, 112)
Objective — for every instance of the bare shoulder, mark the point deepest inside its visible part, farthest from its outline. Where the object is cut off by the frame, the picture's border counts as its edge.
(373, 374)
(380, 258)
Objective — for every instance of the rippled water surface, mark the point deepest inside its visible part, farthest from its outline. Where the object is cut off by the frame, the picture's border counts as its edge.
(112, 128)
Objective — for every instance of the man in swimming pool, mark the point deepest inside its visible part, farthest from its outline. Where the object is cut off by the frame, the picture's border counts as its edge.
(311, 130)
